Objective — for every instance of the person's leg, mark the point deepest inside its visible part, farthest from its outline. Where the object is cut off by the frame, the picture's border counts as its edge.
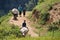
(24, 13)
(20, 13)
(15, 16)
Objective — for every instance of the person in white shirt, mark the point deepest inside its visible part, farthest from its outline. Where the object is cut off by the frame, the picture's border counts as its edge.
(15, 13)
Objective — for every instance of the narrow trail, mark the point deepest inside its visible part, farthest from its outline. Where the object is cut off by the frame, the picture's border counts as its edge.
(20, 21)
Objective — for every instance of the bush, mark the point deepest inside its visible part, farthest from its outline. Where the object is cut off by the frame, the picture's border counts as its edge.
(43, 18)
(53, 27)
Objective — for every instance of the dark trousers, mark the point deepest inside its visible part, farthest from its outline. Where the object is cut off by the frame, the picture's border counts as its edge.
(24, 13)
(20, 13)
(15, 16)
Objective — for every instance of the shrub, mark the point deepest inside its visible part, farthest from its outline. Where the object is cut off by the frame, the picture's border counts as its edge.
(53, 27)
(44, 18)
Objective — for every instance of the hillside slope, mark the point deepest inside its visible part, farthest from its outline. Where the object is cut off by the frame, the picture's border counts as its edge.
(20, 21)
(49, 17)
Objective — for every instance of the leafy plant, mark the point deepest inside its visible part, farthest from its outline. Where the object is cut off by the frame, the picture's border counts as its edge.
(52, 27)
(43, 18)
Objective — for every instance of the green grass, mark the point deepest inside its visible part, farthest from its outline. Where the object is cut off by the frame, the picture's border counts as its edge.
(7, 29)
(31, 38)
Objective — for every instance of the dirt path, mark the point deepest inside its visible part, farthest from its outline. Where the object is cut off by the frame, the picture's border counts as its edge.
(19, 23)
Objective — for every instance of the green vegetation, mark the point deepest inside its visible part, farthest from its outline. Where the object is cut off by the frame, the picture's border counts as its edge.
(31, 4)
(12, 32)
(44, 6)
(53, 27)
(6, 29)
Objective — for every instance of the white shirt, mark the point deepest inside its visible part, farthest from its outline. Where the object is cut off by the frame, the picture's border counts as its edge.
(15, 11)
(24, 29)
